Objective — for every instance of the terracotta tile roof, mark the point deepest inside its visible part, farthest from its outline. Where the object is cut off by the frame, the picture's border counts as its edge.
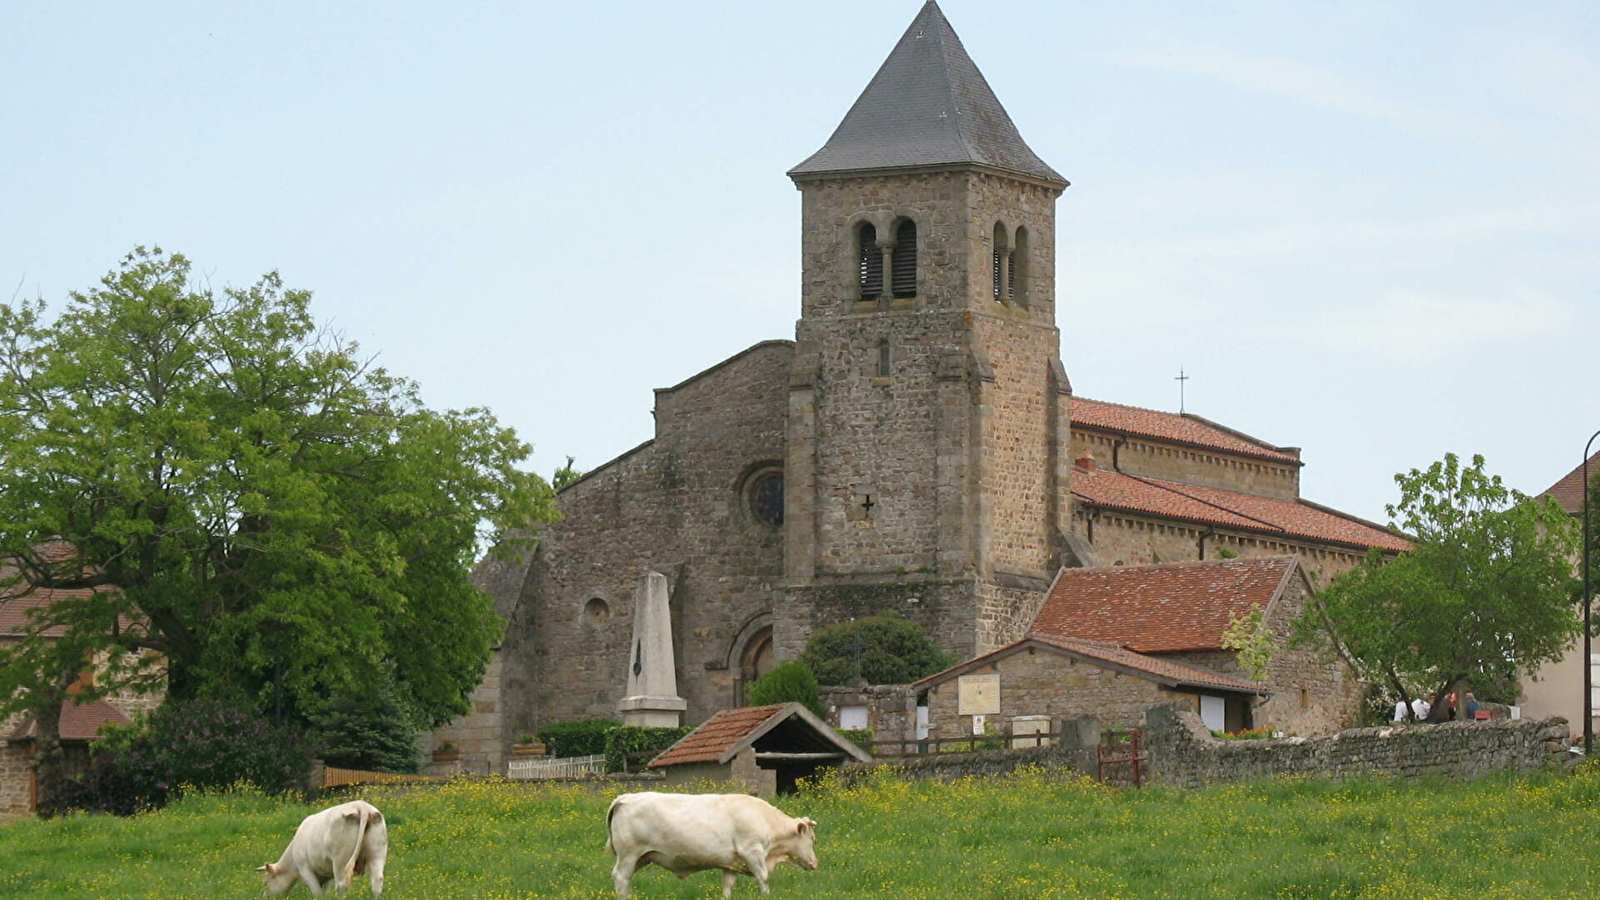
(16, 619)
(1569, 490)
(1163, 670)
(1160, 608)
(1288, 518)
(715, 735)
(78, 723)
(1177, 427)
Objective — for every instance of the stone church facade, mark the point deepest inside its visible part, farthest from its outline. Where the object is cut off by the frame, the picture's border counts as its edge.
(916, 447)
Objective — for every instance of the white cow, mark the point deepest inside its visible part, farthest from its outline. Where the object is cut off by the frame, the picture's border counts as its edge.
(686, 833)
(332, 846)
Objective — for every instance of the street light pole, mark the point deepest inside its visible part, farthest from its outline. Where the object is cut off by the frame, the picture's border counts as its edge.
(1588, 665)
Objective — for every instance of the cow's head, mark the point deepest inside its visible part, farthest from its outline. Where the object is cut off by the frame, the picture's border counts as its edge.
(800, 845)
(276, 880)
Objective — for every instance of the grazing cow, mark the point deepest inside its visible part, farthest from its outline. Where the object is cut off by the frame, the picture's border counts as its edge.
(332, 846)
(686, 833)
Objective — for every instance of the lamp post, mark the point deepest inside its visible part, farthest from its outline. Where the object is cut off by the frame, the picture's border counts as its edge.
(1588, 665)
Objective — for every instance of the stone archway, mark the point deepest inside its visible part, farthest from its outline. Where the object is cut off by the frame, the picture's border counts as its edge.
(752, 655)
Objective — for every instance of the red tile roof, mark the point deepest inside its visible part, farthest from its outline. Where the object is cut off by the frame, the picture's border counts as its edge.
(1177, 427)
(78, 723)
(1569, 490)
(1162, 670)
(715, 735)
(16, 613)
(1160, 608)
(1287, 518)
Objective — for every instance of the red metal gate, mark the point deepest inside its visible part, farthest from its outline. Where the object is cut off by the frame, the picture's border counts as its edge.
(1122, 752)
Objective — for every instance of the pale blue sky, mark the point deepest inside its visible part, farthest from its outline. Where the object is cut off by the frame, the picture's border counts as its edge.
(1367, 229)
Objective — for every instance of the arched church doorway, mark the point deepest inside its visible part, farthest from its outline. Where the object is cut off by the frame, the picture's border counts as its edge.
(755, 659)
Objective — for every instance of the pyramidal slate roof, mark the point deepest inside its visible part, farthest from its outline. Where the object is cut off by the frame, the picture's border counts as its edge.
(927, 106)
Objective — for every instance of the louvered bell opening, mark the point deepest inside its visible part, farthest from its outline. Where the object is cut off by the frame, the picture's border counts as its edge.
(869, 263)
(904, 276)
(1011, 274)
(997, 275)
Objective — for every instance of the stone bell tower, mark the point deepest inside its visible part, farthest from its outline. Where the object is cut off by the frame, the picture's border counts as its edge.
(927, 449)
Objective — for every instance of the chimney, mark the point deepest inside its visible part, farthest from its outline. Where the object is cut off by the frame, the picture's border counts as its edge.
(1086, 461)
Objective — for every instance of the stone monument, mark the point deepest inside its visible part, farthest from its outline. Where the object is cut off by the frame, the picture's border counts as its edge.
(652, 698)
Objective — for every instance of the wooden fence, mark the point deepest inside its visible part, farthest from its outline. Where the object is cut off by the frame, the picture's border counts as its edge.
(565, 767)
(1003, 739)
(334, 777)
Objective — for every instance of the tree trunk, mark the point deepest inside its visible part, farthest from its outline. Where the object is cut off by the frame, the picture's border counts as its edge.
(49, 763)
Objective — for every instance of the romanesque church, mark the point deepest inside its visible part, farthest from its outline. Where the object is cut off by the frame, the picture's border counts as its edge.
(916, 447)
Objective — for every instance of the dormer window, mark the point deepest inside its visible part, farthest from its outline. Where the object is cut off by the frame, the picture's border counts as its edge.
(904, 275)
(869, 262)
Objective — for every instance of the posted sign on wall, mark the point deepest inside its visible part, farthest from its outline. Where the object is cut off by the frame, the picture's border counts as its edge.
(978, 695)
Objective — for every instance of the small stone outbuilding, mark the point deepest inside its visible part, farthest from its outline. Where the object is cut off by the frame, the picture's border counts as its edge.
(765, 749)
(1046, 677)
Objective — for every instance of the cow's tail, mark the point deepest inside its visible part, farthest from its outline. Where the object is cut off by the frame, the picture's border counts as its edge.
(363, 817)
(611, 813)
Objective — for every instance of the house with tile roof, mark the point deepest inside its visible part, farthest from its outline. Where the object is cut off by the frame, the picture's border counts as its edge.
(1155, 633)
(916, 446)
(765, 749)
(1556, 689)
(25, 616)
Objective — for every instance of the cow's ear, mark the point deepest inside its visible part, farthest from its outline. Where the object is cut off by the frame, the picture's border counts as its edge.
(801, 825)
(266, 868)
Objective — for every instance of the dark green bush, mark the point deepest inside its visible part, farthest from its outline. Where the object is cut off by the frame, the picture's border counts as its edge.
(372, 731)
(789, 682)
(630, 746)
(579, 737)
(857, 736)
(884, 649)
(196, 744)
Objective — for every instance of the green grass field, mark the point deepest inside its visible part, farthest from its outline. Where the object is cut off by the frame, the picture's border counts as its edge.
(1020, 837)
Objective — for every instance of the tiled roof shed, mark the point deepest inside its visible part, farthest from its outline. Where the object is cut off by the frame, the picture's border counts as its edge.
(78, 722)
(720, 738)
(1163, 608)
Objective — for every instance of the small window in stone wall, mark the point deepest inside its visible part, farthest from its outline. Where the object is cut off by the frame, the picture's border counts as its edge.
(596, 613)
(765, 498)
(884, 361)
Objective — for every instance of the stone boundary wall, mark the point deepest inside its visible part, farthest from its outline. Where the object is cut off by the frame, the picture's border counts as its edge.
(1183, 753)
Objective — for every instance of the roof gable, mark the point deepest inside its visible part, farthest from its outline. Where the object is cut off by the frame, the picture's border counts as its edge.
(1569, 490)
(928, 105)
(721, 737)
(1165, 607)
(79, 722)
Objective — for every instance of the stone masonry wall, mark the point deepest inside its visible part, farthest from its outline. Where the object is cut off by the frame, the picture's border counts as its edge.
(16, 781)
(480, 735)
(678, 505)
(1154, 459)
(1129, 539)
(1183, 752)
(1313, 692)
(1038, 682)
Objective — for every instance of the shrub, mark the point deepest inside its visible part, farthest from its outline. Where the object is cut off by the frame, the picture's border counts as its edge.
(627, 745)
(372, 732)
(196, 744)
(884, 649)
(789, 682)
(856, 736)
(579, 737)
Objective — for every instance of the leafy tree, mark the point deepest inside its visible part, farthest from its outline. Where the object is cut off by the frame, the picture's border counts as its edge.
(1251, 640)
(884, 649)
(1486, 589)
(788, 682)
(241, 493)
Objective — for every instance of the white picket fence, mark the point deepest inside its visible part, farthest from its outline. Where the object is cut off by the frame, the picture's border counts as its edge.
(566, 767)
